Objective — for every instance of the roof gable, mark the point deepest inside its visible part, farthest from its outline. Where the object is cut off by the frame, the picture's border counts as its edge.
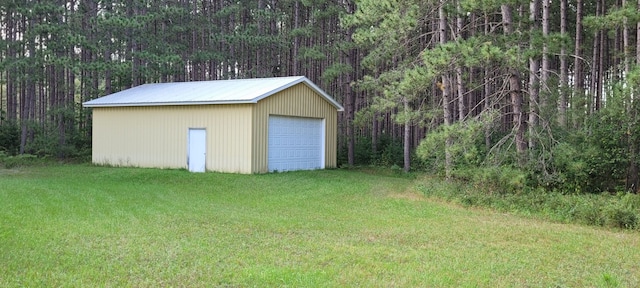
(239, 91)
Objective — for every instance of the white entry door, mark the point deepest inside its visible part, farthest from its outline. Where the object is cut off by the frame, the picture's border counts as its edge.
(197, 154)
(295, 143)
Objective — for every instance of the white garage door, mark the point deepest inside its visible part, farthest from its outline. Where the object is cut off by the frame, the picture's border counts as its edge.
(295, 143)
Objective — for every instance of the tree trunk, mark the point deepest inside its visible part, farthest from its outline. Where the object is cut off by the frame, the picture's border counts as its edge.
(132, 49)
(374, 134)
(107, 57)
(296, 40)
(601, 64)
(445, 87)
(487, 107)
(593, 100)
(546, 67)
(349, 111)
(564, 68)
(534, 67)
(515, 92)
(626, 43)
(638, 39)
(407, 135)
(448, 120)
(459, 81)
(578, 74)
(27, 101)
(12, 72)
(633, 179)
(487, 90)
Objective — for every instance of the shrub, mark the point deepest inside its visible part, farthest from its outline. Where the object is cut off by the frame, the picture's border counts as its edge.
(9, 138)
(3, 156)
(496, 179)
(630, 201)
(466, 148)
(586, 210)
(623, 211)
(363, 150)
(389, 152)
(11, 162)
(619, 217)
(616, 211)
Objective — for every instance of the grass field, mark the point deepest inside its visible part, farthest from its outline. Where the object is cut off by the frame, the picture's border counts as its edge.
(86, 226)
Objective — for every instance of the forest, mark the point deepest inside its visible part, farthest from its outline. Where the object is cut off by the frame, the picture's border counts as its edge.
(513, 93)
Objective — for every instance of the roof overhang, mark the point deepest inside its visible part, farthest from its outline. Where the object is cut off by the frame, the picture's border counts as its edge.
(142, 104)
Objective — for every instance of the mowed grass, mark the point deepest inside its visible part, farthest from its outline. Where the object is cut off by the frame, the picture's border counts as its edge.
(86, 226)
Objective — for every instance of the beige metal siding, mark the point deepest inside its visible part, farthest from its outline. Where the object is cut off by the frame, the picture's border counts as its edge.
(157, 136)
(300, 101)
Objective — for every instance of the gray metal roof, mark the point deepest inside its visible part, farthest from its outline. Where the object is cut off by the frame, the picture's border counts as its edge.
(240, 91)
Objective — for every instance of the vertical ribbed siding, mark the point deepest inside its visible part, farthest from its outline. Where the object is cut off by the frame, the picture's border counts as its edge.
(157, 136)
(300, 101)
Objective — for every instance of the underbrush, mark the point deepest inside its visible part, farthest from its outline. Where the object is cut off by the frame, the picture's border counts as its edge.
(27, 160)
(10, 162)
(619, 210)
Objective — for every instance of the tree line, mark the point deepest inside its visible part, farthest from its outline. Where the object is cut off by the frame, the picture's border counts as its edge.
(528, 93)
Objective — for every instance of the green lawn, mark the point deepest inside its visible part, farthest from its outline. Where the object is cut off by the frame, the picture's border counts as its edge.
(86, 226)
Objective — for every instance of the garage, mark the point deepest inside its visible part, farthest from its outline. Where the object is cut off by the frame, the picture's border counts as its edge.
(245, 126)
(295, 143)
